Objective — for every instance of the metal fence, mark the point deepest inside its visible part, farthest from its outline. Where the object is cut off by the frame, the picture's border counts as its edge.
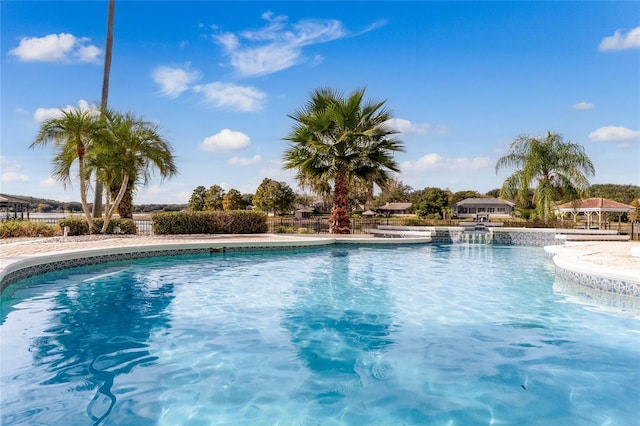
(320, 225)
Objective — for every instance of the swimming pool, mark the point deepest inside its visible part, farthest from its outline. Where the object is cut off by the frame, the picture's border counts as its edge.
(436, 334)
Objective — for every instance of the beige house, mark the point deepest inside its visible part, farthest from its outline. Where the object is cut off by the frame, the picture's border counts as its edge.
(394, 209)
(484, 208)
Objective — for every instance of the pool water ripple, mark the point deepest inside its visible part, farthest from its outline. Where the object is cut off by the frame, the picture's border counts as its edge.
(440, 334)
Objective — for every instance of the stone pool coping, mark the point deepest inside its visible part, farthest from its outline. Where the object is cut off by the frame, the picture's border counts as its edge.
(611, 266)
(608, 266)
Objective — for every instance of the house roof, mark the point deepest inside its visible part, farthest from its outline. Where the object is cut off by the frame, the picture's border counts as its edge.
(484, 201)
(396, 206)
(594, 205)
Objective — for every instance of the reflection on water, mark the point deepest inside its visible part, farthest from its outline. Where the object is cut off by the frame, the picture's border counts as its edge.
(97, 330)
(598, 300)
(341, 324)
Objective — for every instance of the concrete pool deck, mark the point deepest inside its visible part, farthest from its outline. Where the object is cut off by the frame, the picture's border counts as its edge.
(618, 261)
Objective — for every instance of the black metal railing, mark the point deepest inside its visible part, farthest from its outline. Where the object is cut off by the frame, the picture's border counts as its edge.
(320, 225)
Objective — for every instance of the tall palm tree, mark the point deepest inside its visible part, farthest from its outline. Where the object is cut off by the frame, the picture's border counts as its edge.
(97, 199)
(559, 169)
(339, 141)
(128, 151)
(73, 135)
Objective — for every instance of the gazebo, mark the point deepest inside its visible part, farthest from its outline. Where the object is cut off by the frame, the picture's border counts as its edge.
(591, 207)
(14, 205)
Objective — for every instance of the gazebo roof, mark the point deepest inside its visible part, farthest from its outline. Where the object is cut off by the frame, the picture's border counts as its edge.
(594, 205)
(7, 199)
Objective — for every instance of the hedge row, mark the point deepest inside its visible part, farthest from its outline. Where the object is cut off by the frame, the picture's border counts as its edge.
(79, 226)
(209, 222)
(19, 228)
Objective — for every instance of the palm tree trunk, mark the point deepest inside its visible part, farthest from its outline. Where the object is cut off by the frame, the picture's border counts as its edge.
(125, 208)
(116, 202)
(83, 194)
(339, 222)
(97, 199)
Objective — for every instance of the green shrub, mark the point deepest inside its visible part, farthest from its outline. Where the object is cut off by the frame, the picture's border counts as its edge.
(116, 226)
(284, 230)
(209, 222)
(78, 226)
(19, 228)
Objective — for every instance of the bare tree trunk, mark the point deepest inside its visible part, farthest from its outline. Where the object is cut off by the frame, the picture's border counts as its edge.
(97, 199)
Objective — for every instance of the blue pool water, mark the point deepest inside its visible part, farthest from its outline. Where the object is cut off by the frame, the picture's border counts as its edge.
(436, 334)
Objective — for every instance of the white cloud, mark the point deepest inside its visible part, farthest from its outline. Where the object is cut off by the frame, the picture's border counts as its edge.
(174, 81)
(583, 105)
(10, 171)
(278, 45)
(430, 162)
(614, 133)
(226, 140)
(12, 177)
(56, 48)
(244, 161)
(50, 181)
(621, 41)
(405, 126)
(408, 128)
(239, 98)
(43, 114)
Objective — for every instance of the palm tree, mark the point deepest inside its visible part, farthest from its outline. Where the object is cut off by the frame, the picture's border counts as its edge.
(129, 149)
(559, 169)
(73, 134)
(340, 141)
(97, 201)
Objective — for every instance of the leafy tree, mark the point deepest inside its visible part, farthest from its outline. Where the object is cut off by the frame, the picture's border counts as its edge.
(394, 192)
(232, 200)
(247, 199)
(620, 193)
(462, 195)
(73, 134)
(44, 208)
(304, 200)
(196, 202)
(213, 198)
(430, 201)
(495, 193)
(559, 170)
(338, 141)
(635, 214)
(274, 196)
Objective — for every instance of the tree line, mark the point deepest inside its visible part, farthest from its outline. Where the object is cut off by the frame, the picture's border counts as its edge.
(341, 147)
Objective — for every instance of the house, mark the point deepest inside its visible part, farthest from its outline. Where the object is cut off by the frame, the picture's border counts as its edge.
(484, 208)
(394, 209)
(304, 213)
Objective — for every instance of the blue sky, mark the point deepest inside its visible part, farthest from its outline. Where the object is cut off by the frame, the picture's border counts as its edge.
(462, 80)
